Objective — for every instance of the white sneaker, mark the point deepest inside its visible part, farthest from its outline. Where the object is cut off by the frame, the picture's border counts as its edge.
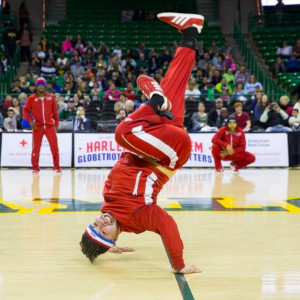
(182, 21)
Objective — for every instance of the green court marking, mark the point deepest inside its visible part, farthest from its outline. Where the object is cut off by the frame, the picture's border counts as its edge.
(182, 283)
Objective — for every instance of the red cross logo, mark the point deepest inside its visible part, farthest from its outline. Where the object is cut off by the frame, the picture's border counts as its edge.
(23, 143)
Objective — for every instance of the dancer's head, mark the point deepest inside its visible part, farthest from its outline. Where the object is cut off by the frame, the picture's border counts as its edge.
(99, 236)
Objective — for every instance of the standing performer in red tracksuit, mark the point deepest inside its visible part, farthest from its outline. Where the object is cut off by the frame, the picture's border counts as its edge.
(158, 146)
(41, 112)
(229, 143)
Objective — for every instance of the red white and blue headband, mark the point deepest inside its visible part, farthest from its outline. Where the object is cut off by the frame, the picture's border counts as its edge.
(98, 238)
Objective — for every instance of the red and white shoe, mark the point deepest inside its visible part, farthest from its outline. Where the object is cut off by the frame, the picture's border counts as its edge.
(182, 21)
(57, 171)
(234, 168)
(149, 87)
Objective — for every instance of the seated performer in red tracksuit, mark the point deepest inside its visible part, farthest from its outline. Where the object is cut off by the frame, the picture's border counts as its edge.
(229, 144)
(157, 146)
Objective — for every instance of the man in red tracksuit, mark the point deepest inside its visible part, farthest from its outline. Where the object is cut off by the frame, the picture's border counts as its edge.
(157, 146)
(229, 144)
(41, 112)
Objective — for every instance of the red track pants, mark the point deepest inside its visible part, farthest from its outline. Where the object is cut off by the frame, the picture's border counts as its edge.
(149, 135)
(37, 137)
(240, 159)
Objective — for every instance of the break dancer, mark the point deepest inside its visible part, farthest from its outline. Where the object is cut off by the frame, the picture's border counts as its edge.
(157, 146)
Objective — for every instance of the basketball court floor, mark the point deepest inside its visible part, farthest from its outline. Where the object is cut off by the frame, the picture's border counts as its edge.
(242, 231)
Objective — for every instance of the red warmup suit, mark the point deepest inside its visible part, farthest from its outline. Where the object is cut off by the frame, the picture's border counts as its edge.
(131, 190)
(43, 112)
(237, 140)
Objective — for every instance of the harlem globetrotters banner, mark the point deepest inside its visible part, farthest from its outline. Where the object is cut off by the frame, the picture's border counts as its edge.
(96, 150)
(16, 150)
(101, 150)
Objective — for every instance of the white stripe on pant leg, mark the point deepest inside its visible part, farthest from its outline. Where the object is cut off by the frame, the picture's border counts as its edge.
(149, 188)
(156, 143)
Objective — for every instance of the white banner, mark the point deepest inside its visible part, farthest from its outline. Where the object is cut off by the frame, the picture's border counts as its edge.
(16, 150)
(101, 150)
(96, 150)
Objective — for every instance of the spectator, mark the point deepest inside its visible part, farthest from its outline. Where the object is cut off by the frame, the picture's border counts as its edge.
(10, 123)
(297, 106)
(229, 77)
(3, 64)
(23, 14)
(296, 48)
(214, 114)
(69, 113)
(227, 48)
(48, 70)
(294, 120)
(39, 55)
(204, 63)
(112, 93)
(154, 64)
(239, 91)
(229, 144)
(56, 87)
(66, 44)
(7, 101)
(129, 107)
(118, 51)
(192, 92)
(77, 69)
(81, 122)
(284, 103)
(130, 93)
(139, 15)
(260, 106)
(279, 66)
(292, 64)
(275, 118)
(284, 51)
(141, 62)
(128, 64)
(60, 104)
(253, 85)
(9, 40)
(242, 118)
(242, 75)
(223, 119)
(1, 121)
(199, 118)
(223, 86)
(127, 15)
(121, 115)
(141, 101)
(33, 68)
(62, 64)
(25, 43)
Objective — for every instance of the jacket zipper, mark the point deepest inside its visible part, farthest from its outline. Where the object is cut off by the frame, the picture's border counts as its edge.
(43, 106)
(136, 185)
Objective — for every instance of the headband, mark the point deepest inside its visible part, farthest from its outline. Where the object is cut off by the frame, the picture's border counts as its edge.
(98, 238)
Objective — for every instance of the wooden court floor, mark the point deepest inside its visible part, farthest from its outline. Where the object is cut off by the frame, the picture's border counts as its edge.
(241, 230)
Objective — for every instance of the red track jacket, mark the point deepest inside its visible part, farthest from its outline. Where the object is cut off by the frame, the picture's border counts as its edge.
(130, 194)
(237, 140)
(41, 110)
